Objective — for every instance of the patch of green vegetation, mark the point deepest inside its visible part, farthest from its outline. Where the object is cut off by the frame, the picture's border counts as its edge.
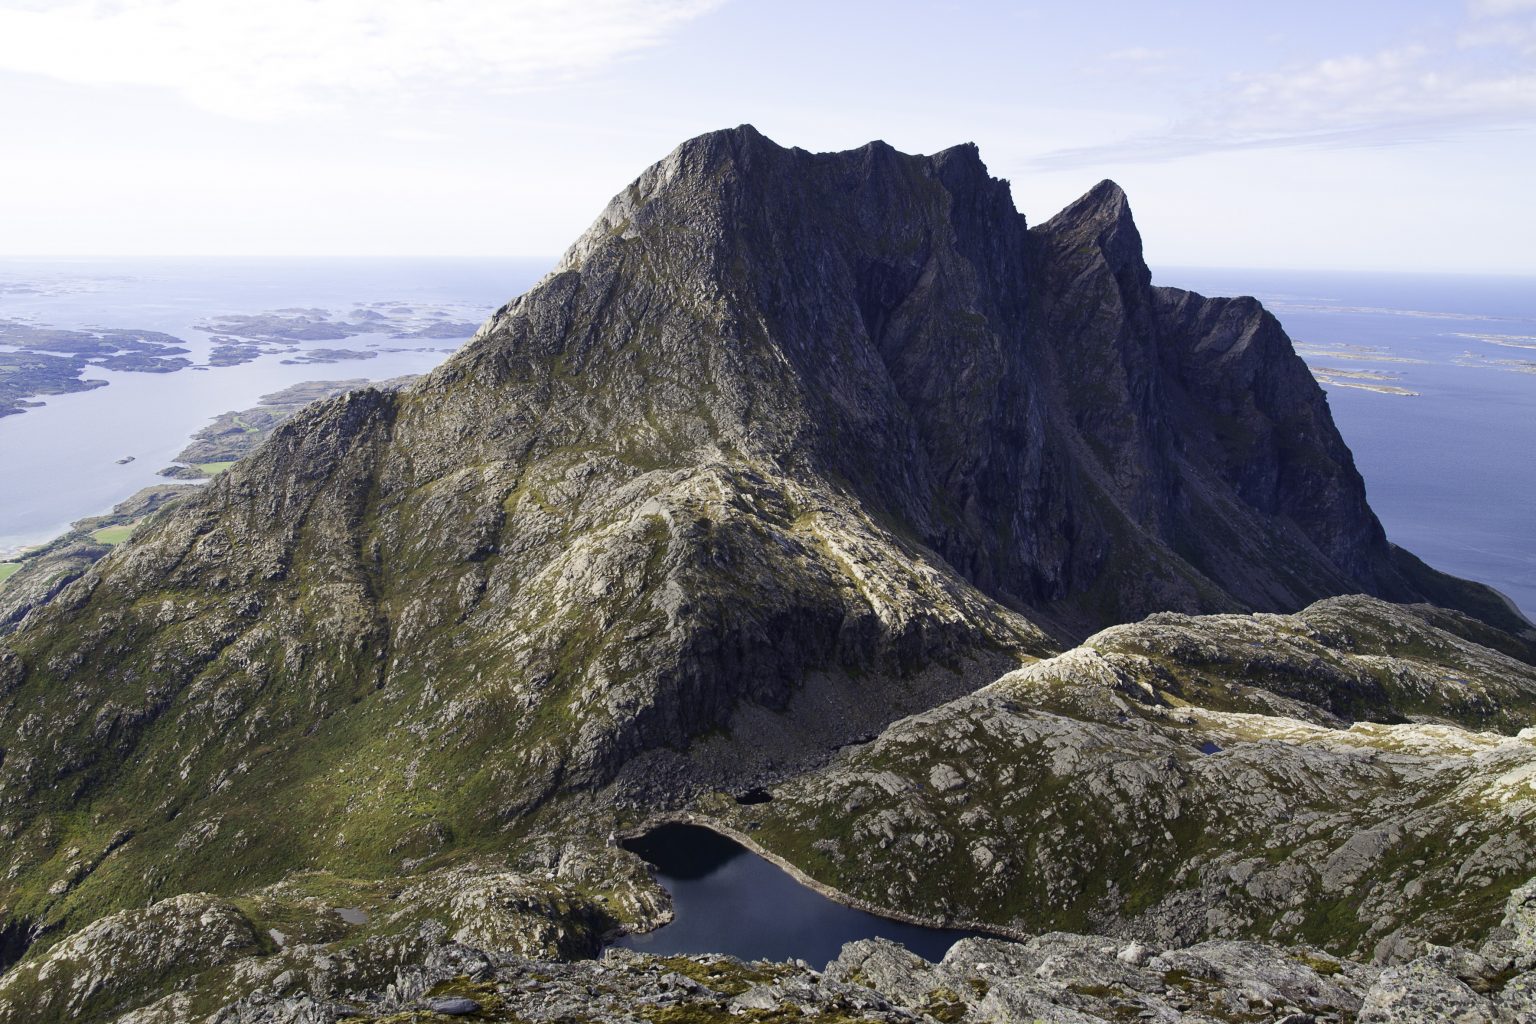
(705, 1012)
(1180, 979)
(1324, 966)
(1062, 870)
(303, 907)
(214, 468)
(1496, 982)
(944, 1005)
(492, 1006)
(115, 534)
(1336, 925)
(482, 992)
(498, 1016)
(8, 569)
(726, 976)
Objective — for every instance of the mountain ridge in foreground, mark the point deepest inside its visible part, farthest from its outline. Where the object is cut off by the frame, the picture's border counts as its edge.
(788, 447)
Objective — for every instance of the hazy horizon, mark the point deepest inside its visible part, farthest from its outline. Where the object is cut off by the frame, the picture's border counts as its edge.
(1156, 266)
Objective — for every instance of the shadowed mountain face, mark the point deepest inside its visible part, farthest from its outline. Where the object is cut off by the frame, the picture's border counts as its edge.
(834, 436)
(1076, 443)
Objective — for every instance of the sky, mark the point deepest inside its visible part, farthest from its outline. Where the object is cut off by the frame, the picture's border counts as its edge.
(1327, 135)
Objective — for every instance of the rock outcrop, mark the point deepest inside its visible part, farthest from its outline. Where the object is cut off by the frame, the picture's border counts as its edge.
(425, 975)
(51, 567)
(1301, 778)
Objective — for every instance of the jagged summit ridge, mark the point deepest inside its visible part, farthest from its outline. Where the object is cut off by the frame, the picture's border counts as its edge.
(1062, 407)
(741, 160)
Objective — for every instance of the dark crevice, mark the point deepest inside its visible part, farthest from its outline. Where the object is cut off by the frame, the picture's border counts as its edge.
(16, 937)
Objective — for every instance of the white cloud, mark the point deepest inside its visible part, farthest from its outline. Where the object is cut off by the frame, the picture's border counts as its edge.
(1501, 33)
(1502, 23)
(1500, 8)
(269, 58)
(1398, 95)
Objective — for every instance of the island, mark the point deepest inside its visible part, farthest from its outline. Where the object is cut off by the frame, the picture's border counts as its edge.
(39, 360)
(1365, 380)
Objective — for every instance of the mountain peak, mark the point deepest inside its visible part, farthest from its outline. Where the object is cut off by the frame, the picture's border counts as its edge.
(1107, 191)
(736, 187)
(791, 446)
(782, 424)
(854, 269)
(724, 143)
(1101, 218)
(1104, 204)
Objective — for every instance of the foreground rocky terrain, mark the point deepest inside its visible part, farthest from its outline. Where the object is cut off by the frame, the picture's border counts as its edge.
(485, 953)
(807, 473)
(1348, 776)
(1166, 794)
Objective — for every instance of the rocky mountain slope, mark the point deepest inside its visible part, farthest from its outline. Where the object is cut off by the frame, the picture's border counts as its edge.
(47, 569)
(1312, 777)
(788, 447)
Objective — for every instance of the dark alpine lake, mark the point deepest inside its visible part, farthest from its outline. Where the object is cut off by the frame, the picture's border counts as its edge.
(729, 900)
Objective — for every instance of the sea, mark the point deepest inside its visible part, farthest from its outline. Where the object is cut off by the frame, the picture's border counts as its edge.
(64, 461)
(1431, 379)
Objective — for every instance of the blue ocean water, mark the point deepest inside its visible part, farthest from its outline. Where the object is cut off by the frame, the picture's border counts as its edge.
(1450, 468)
(60, 462)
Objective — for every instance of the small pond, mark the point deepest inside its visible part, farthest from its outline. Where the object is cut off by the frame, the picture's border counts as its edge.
(729, 900)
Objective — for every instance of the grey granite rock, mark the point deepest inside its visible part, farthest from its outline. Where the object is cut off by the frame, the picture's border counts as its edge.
(455, 1006)
(1420, 991)
(1060, 976)
(113, 963)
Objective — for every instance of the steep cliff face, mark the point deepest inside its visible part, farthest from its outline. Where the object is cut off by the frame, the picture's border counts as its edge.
(1077, 443)
(777, 419)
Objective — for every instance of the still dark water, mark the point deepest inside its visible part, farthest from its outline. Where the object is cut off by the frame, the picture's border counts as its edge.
(729, 900)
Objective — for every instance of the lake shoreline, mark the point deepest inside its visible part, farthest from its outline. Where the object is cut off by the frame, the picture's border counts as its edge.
(838, 896)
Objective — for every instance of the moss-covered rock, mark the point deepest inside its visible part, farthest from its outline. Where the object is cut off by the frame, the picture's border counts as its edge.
(111, 965)
(1190, 777)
